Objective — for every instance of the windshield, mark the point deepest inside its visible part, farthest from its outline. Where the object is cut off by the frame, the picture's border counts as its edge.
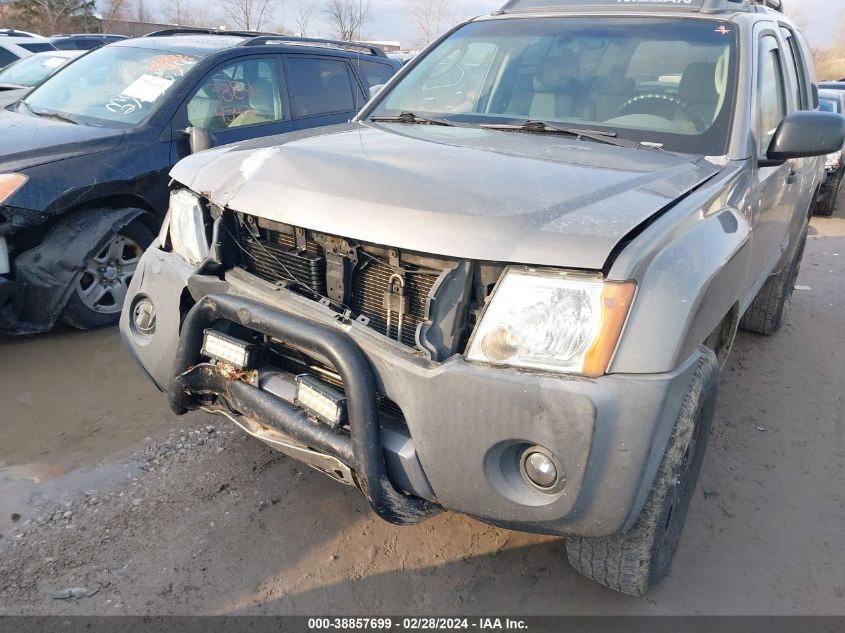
(662, 80)
(113, 86)
(31, 70)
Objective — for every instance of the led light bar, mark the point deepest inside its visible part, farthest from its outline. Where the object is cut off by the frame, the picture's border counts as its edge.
(320, 400)
(227, 348)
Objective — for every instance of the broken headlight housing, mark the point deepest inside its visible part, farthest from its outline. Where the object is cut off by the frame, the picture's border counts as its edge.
(186, 221)
(552, 320)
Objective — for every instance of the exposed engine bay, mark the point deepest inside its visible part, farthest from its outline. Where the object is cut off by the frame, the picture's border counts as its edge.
(426, 302)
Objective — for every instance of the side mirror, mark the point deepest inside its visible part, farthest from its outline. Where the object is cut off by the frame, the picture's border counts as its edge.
(199, 139)
(374, 90)
(807, 133)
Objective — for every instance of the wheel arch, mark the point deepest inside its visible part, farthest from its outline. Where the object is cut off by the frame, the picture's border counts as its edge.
(45, 273)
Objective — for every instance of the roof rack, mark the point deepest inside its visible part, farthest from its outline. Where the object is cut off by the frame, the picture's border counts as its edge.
(306, 41)
(191, 31)
(701, 6)
(14, 33)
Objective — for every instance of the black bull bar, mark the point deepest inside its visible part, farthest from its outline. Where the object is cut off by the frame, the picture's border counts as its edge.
(360, 449)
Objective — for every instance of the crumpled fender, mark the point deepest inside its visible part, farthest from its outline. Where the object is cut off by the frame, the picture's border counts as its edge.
(45, 274)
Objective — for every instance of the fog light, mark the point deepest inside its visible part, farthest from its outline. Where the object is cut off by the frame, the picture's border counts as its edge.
(540, 469)
(220, 346)
(320, 400)
(144, 316)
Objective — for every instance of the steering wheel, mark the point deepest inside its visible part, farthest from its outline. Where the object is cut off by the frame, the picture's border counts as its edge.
(656, 97)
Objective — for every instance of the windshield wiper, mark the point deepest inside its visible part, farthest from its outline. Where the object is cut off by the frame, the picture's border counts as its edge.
(600, 136)
(49, 114)
(410, 117)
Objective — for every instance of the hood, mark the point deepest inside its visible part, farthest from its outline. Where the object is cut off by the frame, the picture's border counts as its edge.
(460, 192)
(30, 140)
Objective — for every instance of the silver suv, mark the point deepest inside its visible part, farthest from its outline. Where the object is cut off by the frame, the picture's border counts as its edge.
(507, 286)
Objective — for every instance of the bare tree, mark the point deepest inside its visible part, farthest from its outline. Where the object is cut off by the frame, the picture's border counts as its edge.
(116, 10)
(346, 17)
(303, 15)
(247, 14)
(431, 17)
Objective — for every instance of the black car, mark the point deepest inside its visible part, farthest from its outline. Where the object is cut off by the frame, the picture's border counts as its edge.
(84, 41)
(85, 156)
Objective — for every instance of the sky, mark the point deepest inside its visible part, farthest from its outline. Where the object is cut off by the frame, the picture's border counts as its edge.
(390, 20)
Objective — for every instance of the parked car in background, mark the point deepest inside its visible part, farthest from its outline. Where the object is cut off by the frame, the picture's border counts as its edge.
(85, 156)
(17, 44)
(84, 41)
(834, 167)
(20, 77)
(832, 85)
(505, 290)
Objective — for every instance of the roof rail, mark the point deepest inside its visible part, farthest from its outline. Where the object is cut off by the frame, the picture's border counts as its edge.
(305, 41)
(191, 31)
(702, 6)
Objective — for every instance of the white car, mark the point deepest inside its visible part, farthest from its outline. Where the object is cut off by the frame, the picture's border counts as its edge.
(17, 44)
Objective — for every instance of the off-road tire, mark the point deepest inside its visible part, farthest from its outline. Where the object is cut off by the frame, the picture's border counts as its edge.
(767, 312)
(824, 208)
(633, 561)
(82, 317)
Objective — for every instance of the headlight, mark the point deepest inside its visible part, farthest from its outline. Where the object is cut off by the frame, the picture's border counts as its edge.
(9, 184)
(553, 321)
(187, 226)
(831, 161)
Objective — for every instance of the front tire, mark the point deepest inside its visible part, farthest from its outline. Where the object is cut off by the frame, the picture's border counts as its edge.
(633, 561)
(99, 292)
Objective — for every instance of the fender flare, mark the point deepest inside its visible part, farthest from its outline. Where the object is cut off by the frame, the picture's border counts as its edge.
(45, 274)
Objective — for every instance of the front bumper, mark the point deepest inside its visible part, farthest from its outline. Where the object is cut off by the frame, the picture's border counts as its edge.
(467, 421)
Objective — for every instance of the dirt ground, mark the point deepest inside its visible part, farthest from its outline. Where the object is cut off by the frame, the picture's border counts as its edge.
(109, 499)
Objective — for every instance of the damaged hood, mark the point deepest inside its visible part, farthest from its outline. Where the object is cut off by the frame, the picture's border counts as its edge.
(30, 140)
(460, 192)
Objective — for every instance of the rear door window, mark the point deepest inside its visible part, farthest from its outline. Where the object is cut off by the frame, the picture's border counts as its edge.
(372, 73)
(319, 85)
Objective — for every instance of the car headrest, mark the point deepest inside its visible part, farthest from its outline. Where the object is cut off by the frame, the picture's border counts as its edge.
(698, 84)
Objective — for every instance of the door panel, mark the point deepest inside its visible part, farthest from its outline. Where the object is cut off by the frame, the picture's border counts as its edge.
(778, 186)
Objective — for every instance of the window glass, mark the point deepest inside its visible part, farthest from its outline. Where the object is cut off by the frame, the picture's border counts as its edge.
(793, 57)
(373, 73)
(32, 70)
(319, 86)
(245, 92)
(117, 86)
(669, 81)
(36, 47)
(829, 105)
(6, 57)
(772, 98)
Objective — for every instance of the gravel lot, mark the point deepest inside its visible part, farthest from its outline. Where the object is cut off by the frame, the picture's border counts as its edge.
(109, 504)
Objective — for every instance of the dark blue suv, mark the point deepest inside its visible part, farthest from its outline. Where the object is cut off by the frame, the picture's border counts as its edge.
(85, 156)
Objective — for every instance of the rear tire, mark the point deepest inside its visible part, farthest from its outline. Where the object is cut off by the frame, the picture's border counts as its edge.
(633, 561)
(824, 208)
(99, 292)
(767, 312)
